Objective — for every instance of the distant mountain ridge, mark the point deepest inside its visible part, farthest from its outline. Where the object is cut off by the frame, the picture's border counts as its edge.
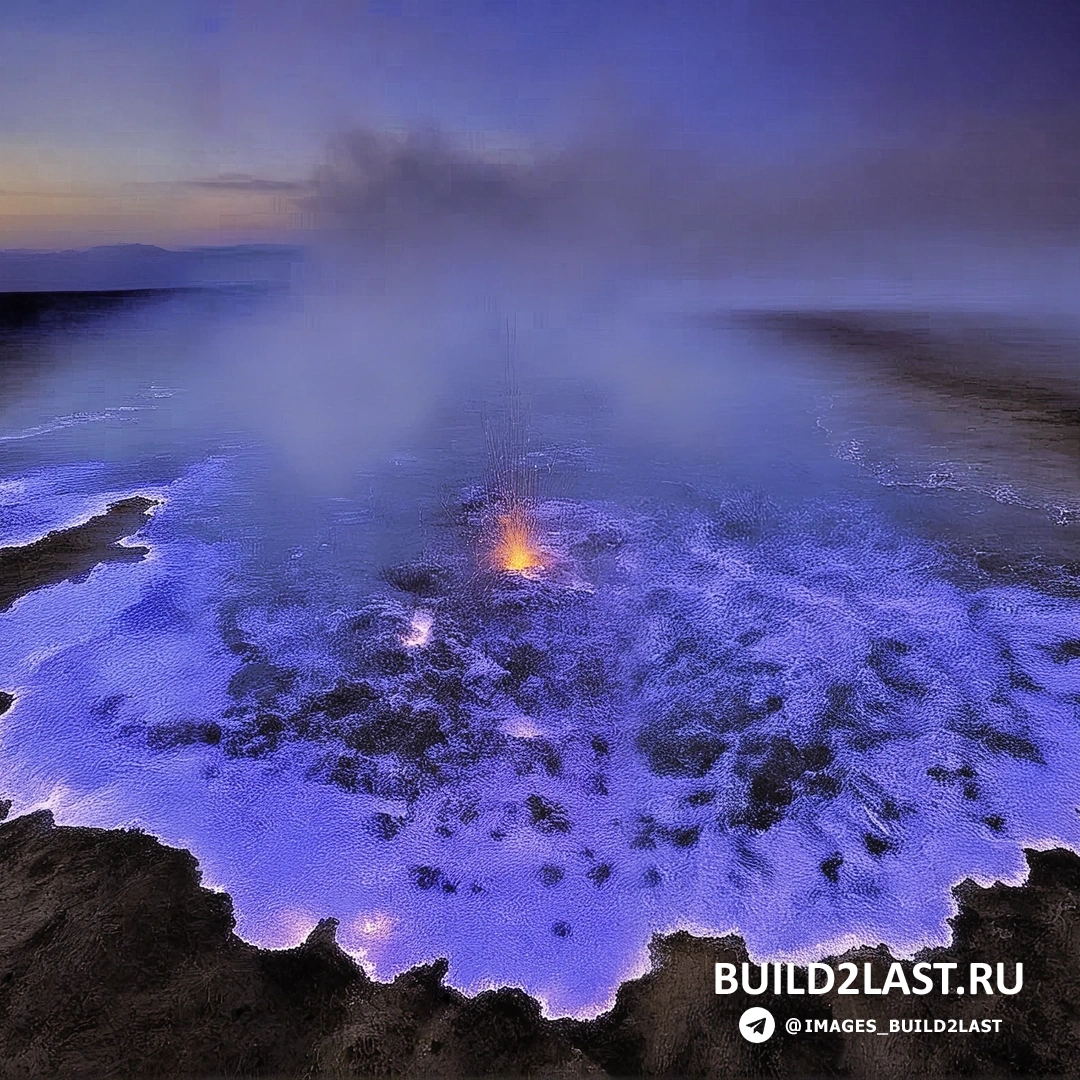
(146, 266)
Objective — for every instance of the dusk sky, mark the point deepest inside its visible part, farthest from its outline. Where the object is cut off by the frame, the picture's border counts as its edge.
(202, 121)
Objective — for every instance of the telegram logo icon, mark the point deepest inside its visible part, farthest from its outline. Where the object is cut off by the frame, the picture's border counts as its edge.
(756, 1025)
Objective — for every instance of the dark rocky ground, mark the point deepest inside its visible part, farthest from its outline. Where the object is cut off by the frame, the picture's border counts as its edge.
(71, 554)
(23, 310)
(114, 961)
(992, 364)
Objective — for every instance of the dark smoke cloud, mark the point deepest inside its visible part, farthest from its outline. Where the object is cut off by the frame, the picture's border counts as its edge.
(616, 198)
(381, 185)
(654, 206)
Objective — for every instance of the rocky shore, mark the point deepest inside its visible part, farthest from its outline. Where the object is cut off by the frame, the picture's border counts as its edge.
(114, 961)
(71, 554)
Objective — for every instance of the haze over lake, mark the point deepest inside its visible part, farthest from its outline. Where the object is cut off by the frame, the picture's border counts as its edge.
(797, 650)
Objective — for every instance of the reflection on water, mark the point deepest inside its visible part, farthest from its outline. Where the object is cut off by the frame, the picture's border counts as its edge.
(753, 675)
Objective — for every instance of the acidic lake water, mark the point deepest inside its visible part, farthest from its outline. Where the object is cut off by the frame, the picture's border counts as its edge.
(805, 651)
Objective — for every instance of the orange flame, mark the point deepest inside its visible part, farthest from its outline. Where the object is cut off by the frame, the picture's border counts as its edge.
(517, 550)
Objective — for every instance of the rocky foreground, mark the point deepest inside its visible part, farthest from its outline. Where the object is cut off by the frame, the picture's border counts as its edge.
(114, 961)
(71, 554)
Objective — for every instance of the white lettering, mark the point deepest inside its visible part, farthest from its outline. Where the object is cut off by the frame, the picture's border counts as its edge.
(980, 976)
(896, 978)
(919, 972)
(945, 969)
(853, 974)
(811, 979)
(1018, 980)
(726, 983)
(763, 970)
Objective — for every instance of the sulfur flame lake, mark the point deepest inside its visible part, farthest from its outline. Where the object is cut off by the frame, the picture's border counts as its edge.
(798, 647)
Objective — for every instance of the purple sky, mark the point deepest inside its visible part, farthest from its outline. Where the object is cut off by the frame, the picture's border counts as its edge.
(118, 118)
